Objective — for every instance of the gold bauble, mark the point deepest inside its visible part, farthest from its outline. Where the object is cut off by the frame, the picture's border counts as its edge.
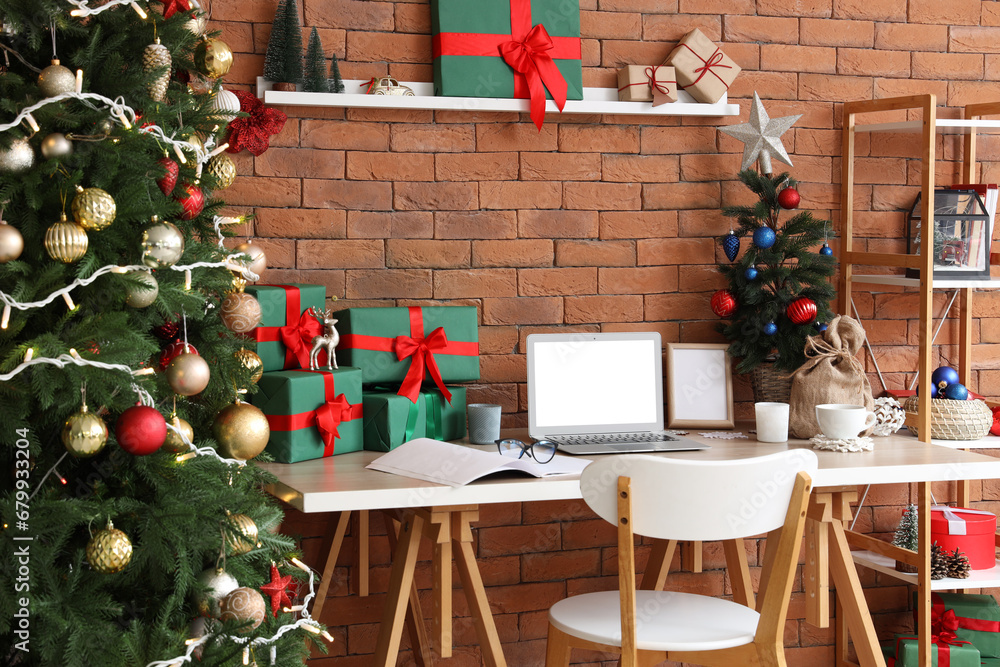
(162, 244)
(56, 80)
(56, 145)
(109, 550)
(222, 169)
(213, 57)
(256, 260)
(240, 312)
(188, 374)
(243, 605)
(138, 297)
(66, 241)
(93, 208)
(84, 433)
(173, 443)
(252, 362)
(218, 584)
(243, 536)
(241, 430)
(19, 157)
(11, 243)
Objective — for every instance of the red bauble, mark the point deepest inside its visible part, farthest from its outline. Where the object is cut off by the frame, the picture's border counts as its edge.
(169, 179)
(193, 200)
(995, 429)
(789, 198)
(168, 330)
(801, 311)
(723, 303)
(172, 350)
(141, 430)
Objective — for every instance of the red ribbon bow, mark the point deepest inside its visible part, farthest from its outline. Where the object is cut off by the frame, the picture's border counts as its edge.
(943, 622)
(654, 84)
(715, 60)
(422, 350)
(329, 415)
(298, 336)
(530, 57)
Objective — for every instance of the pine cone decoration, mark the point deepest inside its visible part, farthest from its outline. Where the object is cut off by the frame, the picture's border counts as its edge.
(156, 56)
(958, 565)
(939, 562)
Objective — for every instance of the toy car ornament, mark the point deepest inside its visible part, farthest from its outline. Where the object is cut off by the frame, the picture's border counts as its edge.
(386, 85)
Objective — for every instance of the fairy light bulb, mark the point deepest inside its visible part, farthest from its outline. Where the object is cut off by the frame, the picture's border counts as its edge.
(5, 320)
(138, 10)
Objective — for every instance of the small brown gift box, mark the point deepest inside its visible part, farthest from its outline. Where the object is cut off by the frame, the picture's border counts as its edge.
(640, 83)
(703, 70)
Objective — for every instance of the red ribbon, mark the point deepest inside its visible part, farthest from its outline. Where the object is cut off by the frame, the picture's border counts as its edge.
(326, 418)
(715, 60)
(528, 50)
(293, 305)
(370, 83)
(651, 81)
(964, 623)
(298, 336)
(943, 644)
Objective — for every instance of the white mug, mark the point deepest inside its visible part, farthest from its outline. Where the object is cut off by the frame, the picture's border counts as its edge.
(840, 421)
(772, 422)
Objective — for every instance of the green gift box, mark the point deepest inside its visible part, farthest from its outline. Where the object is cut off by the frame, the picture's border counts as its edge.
(284, 307)
(990, 662)
(391, 419)
(952, 655)
(977, 616)
(312, 414)
(436, 344)
(539, 37)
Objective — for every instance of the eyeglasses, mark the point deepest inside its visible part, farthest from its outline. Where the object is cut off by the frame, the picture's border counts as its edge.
(542, 451)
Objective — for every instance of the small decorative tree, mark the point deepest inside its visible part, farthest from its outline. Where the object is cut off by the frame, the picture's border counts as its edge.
(283, 59)
(315, 80)
(274, 64)
(336, 82)
(906, 536)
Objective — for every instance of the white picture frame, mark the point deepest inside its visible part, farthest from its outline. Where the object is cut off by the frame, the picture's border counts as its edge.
(699, 386)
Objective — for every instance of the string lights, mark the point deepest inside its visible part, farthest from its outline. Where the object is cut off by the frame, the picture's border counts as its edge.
(83, 10)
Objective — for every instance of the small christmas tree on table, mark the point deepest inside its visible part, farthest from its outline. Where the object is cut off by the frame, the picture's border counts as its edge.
(283, 59)
(336, 81)
(907, 537)
(315, 80)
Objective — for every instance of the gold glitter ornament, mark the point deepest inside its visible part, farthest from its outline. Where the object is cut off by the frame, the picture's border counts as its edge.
(222, 168)
(109, 550)
(174, 444)
(252, 362)
(243, 605)
(157, 57)
(240, 312)
(136, 296)
(56, 80)
(218, 584)
(11, 243)
(213, 58)
(241, 430)
(243, 536)
(188, 374)
(93, 208)
(66, 241)
(162, 244)
(84, 434)
(19, 157)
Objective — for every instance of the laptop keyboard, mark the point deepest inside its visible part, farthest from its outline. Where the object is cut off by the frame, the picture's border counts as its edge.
(611, 438)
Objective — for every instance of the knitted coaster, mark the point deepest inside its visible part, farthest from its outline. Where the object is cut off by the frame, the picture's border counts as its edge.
(860, 444)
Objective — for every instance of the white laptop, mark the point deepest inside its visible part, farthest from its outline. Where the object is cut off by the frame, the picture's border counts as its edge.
(599, 393)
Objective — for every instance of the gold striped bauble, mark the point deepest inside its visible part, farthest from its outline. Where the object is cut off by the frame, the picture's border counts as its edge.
(243, 536)
(66, 241)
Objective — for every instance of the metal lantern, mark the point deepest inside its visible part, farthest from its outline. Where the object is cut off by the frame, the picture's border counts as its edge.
(962, 233)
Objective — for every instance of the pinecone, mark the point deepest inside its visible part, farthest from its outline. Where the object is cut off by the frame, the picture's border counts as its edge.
(939, 562)
(156, 56)
(958, 565)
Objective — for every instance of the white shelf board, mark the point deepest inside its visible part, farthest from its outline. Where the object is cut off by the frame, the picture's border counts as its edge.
(989, 442)
(943, 125)
(939, 283)
(977, 578)
(596, 101)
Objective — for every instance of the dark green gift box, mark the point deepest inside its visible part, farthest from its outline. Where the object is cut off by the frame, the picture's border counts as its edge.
(907, 654)
(978, 618)
(377, 340)
(282, 305)
(302, 405)
(467, 37)
(388, 416)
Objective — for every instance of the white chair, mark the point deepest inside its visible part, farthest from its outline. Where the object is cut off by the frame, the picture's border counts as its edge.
(680, 499)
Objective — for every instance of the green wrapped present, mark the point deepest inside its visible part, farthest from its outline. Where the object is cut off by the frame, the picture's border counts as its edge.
(389, 345)
(945, 653)
(312, 414)
(284, 336)
(974, 618)
(990, 662)
(391, 419)
(508, 48)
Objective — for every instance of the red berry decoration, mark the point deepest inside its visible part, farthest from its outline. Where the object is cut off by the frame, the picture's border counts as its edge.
(141, 430)
(801, 311)
(169, 179)
(789, 198)
(193, 201)
(168, 330)
(995, 429)
(723, 303)
(172, 350)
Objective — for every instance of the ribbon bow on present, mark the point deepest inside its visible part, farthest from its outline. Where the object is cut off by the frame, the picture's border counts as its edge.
(655, 85)
(422, 350)
(329, 416)
(715, 60)
(530, 56)
(298, 336)
(943, 626)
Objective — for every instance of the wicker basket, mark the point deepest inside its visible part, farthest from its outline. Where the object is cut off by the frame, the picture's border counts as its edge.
(769, 384)
(953, 420)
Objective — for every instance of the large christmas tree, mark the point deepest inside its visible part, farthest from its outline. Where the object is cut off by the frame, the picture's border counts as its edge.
(132, 522)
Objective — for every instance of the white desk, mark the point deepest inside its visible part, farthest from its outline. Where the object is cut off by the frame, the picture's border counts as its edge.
(341, 484)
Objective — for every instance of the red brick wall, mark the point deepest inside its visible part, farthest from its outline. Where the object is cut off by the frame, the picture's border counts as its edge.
(598, 223)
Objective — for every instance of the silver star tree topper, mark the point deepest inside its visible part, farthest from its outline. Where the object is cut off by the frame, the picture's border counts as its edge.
(762, 136)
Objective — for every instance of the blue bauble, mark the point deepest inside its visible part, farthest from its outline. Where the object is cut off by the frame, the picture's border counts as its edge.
(956, 391)
(826, 250)
(944, 374)
(764, 237)
(770, 328)
(821, 326)
(750, 273)
(731, 246)
(934, 391)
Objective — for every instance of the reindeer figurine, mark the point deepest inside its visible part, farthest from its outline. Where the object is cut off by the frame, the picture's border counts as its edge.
(327, 341)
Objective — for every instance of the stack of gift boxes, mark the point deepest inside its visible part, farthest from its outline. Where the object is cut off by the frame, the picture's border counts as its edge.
(393, 378)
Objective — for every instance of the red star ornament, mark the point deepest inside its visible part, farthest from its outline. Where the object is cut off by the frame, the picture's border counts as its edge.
(277, 589)
(254, 132)
(170, 7)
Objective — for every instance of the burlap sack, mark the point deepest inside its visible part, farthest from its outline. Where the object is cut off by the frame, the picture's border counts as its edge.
(831, 374)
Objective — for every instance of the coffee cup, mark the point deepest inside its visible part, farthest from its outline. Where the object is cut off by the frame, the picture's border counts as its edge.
(840, 421)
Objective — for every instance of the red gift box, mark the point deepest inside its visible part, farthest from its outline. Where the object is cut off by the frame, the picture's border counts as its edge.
(970, 531)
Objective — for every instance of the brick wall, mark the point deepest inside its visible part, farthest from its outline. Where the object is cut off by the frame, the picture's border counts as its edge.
(599, 223)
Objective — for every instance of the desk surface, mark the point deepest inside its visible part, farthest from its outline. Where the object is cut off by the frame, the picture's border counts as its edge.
(341, 483)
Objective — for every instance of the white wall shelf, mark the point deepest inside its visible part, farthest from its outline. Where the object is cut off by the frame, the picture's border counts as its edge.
(942, 125)
(596, 101)
(977, 578)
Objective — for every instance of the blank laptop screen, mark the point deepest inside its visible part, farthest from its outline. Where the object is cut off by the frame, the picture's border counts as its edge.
(580, 383)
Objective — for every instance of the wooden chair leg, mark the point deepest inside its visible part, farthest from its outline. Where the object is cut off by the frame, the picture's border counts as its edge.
(557, 648)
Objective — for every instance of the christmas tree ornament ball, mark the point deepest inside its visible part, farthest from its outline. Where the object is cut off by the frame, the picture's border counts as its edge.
(56, 145)
(242, 538)
(826, 250)
(162, 244)
(168, 330)
(256, 261)
(109, 550)
(244, 605)
(217, 584)
(56, 80)
(173, 442)
(93, 208)
(222, 168)
(770, 328)
(943, 376)
(84, 434)
(142, 290)
(956, 391)
(241, 430)
(168, 181)
(723, 303)
(18, 157)
(11, 243)
(801, 311)
(789, 198)
(750, 273)
(141, 430)
(187, 374)
(175, 348)
(764, 237)
(226, 105)
(240, 312)
(731, 246)
(213, 58)
(192, 200)
(66, 241)
(252, 362)
(889, 416)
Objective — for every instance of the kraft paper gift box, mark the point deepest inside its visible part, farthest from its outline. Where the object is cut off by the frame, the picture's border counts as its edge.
(973, 618)
(410, 346)
(652, 83)
(284, 319)
(391, 419)
(312, 414)
(703, 70)
(943, 654)
(508, 48)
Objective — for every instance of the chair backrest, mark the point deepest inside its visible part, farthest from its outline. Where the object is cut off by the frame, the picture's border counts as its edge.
(692, 500)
